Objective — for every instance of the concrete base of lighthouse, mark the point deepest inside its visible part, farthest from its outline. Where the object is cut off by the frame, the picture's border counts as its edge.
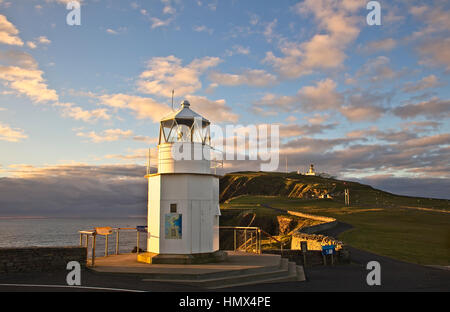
(210, 257)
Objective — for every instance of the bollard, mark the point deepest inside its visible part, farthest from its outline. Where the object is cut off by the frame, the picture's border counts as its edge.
(304, 249)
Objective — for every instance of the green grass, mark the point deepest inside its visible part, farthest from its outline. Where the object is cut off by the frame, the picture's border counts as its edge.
(421, 237)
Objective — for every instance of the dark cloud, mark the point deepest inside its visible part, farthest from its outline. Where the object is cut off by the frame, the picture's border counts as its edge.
(422, 187)
(434, 108)
(77, 191)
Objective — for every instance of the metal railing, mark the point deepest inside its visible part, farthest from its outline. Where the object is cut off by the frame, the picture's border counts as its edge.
(216, 159)
(252, 238)
(252, 243)
(85, 235)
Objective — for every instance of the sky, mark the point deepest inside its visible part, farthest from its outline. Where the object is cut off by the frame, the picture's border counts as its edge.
(80, 104)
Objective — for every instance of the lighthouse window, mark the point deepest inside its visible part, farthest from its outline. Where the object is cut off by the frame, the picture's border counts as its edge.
(173, 208)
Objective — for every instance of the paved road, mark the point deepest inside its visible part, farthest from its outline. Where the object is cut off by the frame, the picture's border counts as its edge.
(395, 275)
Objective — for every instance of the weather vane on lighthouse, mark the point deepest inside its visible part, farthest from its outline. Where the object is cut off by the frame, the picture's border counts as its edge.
(183, 196)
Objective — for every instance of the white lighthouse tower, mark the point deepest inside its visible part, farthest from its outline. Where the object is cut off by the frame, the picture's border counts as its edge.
(183, 196)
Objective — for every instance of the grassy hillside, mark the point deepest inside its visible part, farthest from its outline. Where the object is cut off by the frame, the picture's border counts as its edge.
(306, 188)
(407, 228)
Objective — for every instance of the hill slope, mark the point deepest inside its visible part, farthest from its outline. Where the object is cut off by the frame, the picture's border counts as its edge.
(412, 229)
(293, 185)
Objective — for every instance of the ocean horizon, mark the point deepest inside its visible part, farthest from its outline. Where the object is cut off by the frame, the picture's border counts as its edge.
(28, 231)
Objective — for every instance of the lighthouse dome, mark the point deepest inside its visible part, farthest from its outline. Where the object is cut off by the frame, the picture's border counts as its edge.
(184, 125)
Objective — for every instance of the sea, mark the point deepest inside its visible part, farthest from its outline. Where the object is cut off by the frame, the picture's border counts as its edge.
(26, 232)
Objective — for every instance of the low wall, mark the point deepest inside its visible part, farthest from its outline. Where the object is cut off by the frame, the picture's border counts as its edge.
(313, 257)
(328, 223)
(313, 241)
(40, 259)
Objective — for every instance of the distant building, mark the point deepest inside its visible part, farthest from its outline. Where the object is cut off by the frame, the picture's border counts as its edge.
(311, 171)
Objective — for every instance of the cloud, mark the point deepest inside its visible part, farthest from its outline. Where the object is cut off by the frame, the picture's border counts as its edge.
(142, 107)
(203, 28)
(216, 111)
(275, 103)
(111, 135)
(169, 10)
(238, 49)
(166, 73)
(108, 135)
(74, 190)
(381, 45)
(21, 74)
(322, 96)
(117, 31)
(250, 77)
(295, 130)
(137, 154)
(326, 49)
(319, 97)
(435, 52)
(78, 113)
(43, 40)
(28, 82)
(434, 19)
(423, 187)
(363, 105)
(9, 134)
(9, 32)
(430, 81)
(433, 108)
(18, 58)
(378, 70)
(362, 113)
(156, 22)
(31, 45)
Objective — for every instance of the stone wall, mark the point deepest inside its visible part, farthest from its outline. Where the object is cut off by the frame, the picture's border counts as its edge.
(314, 241)
(313, 257)
(40, 259)
(327, 223)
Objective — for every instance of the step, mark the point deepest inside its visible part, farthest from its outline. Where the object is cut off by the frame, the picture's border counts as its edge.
(288, 271)
(288, 278)
(222, 281)
(295, 274)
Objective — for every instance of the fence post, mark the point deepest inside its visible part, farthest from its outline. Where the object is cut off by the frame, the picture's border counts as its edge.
(93, 249)
(106, 245)
(259, 235)
(117, 241)
(245, 240)
(137, 243)
(234, 240)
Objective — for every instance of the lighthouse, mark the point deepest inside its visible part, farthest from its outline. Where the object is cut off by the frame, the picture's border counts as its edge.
(183, 196)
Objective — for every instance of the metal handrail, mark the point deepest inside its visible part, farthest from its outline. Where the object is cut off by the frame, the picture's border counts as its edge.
(251, 229)
(271, 237)
(258, 237)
